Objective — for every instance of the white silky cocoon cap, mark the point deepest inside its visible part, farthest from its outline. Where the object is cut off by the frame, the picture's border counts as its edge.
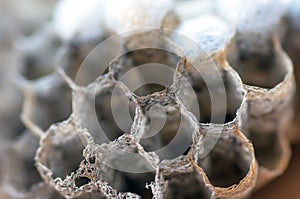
(210, 33)
(126, 15)
(79, 18)
(258, 16)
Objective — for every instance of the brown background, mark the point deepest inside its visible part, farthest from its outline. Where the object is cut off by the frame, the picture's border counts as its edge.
(286, 186)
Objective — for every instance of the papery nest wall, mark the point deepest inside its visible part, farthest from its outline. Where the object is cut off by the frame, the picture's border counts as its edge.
(219, 126)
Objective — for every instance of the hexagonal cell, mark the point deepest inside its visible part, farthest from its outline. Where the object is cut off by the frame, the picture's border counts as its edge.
(18, 168)
(268, 149)
(218, 90)
(61, 149)
(229, 162)
(117, 158)
(39, 52)
(104, 108)
(47, 100)
(177, 178)
(186, 186)
(165, 127)
(264, 70)
(147, 62)
(84, 61)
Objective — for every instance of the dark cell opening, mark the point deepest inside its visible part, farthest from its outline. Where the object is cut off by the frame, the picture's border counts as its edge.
(173, 139)
(262, 69)
(226, 91)
(267, 148)
(105, 104)
(149, 89)
(186, 186)
(81, 181)
(149, 70)
(136, 183)
(227, 164)
(64, 157)
(132, 182)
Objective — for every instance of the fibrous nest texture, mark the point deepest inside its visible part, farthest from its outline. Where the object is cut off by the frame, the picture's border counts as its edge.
(146, 99)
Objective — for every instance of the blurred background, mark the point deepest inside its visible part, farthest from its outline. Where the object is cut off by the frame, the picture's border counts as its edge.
(20, 19)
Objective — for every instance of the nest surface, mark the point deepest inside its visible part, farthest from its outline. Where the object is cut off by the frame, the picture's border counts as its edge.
(83, 120)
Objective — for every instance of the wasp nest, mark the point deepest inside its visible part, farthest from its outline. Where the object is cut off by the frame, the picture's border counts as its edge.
(83, 115)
